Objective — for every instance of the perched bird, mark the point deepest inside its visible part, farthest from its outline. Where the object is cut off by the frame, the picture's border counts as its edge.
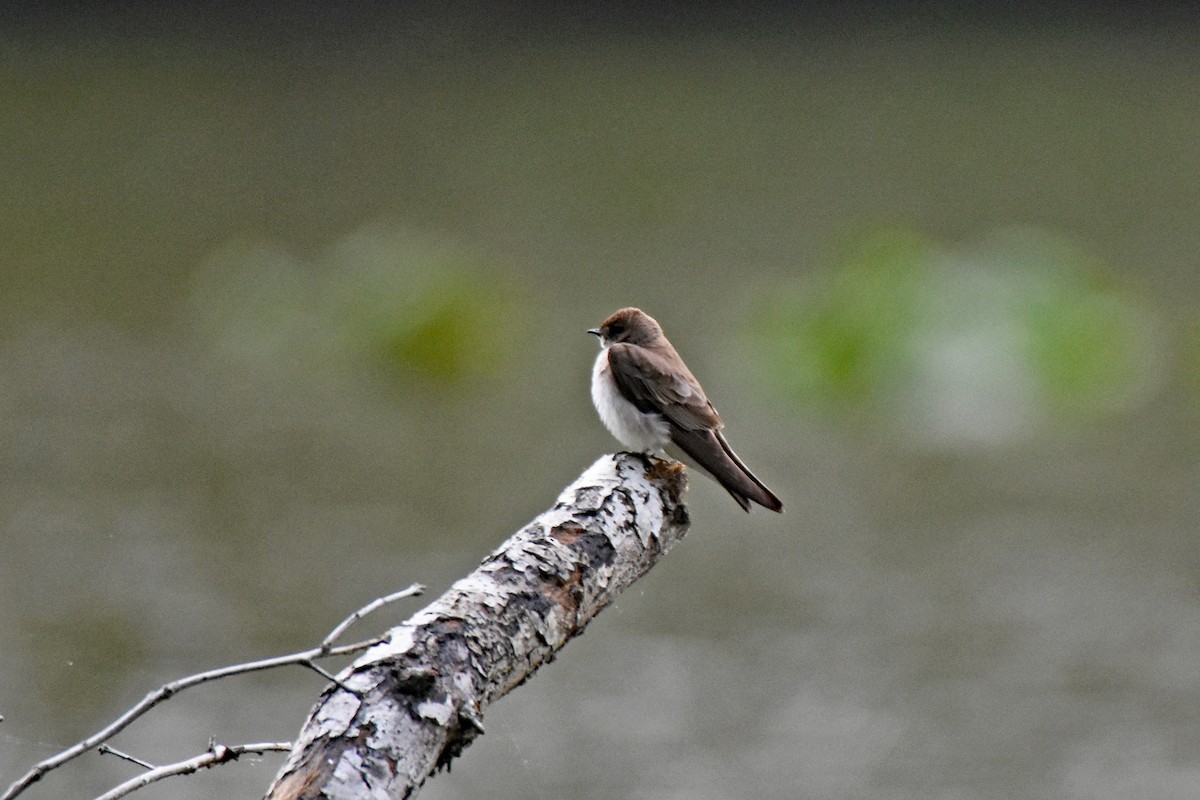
(648, 398)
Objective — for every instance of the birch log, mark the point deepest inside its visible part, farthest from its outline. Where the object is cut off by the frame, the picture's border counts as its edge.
(409, 705)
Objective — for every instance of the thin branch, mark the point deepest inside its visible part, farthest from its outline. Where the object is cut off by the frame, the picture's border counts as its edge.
(105, 749)
(378, 602)
(166, 691)
(326, 674)
(216, 754)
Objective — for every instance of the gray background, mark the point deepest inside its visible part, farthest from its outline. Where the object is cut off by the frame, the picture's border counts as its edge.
(211, 450)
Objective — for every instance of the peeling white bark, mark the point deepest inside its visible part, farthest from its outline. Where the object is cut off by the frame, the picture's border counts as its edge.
(419, 696)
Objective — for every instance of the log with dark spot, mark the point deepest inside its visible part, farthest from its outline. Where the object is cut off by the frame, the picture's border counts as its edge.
(411, 704)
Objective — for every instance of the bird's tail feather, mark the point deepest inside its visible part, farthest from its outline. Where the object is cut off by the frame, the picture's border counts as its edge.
(711, 452)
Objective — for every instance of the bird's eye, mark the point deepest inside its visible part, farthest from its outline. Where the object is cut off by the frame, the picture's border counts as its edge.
(616, 330)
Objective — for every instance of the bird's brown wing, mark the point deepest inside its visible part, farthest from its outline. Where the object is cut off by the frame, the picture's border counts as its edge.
(647, 379)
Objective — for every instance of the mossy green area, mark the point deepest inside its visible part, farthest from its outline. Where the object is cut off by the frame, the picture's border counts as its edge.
(1019, 326)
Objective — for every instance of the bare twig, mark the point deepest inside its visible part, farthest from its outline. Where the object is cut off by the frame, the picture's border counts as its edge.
(105, 749)
(305, 657)
(326, 674)
(378, 602)
(216, 754)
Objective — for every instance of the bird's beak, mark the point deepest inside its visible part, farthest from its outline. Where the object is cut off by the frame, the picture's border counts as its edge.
(594, 331)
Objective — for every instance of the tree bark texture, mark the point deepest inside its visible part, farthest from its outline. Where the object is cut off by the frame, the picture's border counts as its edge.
(409, 705)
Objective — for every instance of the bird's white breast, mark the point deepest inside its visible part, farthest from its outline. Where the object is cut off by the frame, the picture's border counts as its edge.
(637, 431)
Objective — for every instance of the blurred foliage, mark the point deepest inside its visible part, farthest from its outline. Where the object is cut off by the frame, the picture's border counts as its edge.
(843, 341)
(418, 309)
(1093, 347)
(422, 309)
(963, 344)
(1190, 346)
(445, 336)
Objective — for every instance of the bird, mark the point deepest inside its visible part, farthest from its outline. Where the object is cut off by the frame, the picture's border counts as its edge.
(649, 400)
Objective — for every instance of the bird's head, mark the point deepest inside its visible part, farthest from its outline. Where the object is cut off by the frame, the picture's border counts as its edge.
(629, 326)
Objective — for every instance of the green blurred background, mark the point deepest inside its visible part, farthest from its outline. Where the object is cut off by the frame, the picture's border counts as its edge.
(292, 315)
